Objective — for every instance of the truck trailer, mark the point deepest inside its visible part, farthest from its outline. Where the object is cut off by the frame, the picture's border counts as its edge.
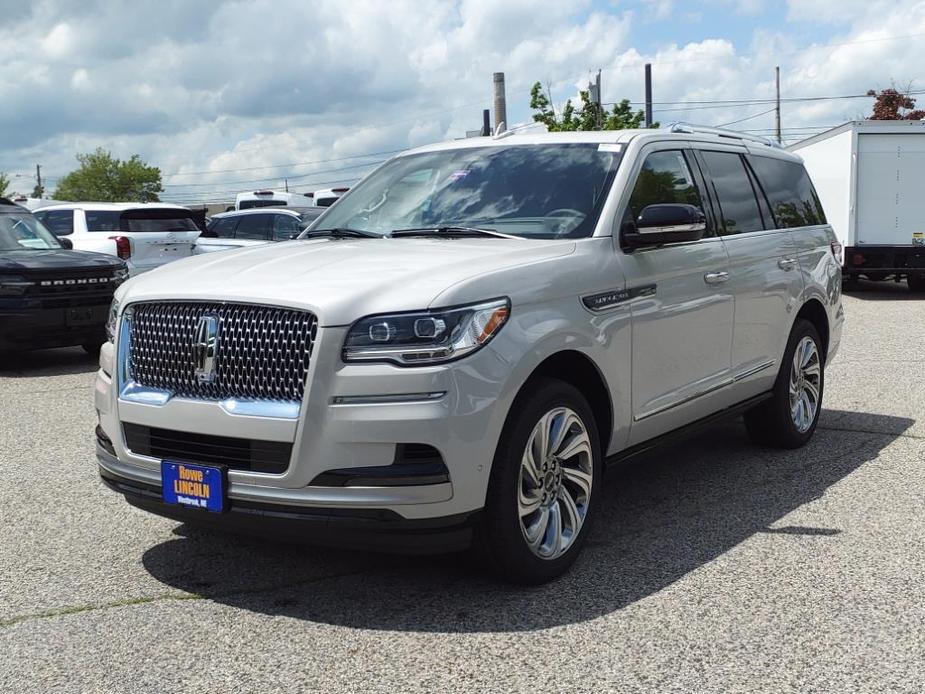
(870, 177)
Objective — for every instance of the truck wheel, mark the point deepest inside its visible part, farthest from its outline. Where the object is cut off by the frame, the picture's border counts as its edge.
(789, 418)
(916, 283)
(544, 485)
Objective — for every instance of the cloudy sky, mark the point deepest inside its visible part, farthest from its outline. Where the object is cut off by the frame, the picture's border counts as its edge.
(228, 95)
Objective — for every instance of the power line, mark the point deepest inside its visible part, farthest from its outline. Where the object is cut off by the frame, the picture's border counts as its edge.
(274, 178)
(283, 166)
(740, 120)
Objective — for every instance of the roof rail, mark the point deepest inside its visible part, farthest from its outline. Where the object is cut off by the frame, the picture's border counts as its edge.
(722, 132)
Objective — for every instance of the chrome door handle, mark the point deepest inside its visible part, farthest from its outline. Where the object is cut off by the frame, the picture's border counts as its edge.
(715, 277)
(787, 263)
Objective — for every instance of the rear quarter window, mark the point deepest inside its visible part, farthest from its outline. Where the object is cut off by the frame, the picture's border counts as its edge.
(789, 190)
(58, 222)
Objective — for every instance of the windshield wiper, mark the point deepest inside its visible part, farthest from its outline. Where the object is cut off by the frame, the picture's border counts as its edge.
(341, 233)
(451, 231)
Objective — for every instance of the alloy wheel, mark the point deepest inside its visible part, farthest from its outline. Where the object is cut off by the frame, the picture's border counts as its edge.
(805, 381)
(555, 482)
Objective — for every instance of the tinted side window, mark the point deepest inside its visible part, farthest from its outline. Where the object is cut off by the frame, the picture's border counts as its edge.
(103, 220)
(665, 178)
(285, 227)
(223, 228)
(793, 199)
(734, 191)
(255, 226)
(58, 222)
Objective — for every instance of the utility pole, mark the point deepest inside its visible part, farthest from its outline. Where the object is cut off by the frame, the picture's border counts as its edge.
(500, 103)
(648, 95)
(594, 90)
(777, 102)
(286, 181)
(39, 188)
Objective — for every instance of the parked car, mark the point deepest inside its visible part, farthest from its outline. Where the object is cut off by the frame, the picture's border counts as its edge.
(869, 176)
(145, 235)
(454, 351)
(271, 198)
(254, 227)
(51, 296)
(326, 197)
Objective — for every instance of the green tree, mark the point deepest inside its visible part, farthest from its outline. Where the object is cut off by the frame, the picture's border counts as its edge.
(620, 117)
(4, 183)
(103, 178)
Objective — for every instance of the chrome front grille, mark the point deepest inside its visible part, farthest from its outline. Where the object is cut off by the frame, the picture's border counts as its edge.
(260, 352)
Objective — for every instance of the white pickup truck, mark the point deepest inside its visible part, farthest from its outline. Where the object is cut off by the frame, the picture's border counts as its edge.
(144, 235)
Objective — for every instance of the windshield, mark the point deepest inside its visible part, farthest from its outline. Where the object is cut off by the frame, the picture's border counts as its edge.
(533, 191)
(154, 220)
(18, 232)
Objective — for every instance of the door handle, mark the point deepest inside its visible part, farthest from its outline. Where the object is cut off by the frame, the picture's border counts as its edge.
(715, 277)
(787, 263)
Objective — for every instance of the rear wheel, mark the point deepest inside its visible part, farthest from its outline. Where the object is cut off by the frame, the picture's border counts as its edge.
(789, 418)
(543, 487)
(916, 283)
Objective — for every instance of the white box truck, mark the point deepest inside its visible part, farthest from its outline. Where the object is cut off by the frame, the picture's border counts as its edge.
(870, 177)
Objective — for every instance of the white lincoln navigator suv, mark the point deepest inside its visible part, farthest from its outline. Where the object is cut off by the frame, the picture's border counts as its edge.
(456, 350)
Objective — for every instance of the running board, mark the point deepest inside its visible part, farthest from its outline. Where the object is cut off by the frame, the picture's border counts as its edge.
(687, 429)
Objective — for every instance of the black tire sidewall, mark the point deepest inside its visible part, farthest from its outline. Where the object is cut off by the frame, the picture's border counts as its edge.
(500, 535)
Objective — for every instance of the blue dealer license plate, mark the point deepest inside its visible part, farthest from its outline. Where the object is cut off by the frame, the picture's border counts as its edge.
(193, 486)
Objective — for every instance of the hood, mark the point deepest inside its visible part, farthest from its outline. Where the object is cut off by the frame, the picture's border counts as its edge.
(55, 260)
(340, 280)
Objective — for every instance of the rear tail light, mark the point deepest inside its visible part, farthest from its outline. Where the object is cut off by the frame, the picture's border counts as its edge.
(123, 246)
(837, 252)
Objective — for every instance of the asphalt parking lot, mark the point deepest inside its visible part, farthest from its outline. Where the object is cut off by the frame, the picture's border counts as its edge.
(715, 566)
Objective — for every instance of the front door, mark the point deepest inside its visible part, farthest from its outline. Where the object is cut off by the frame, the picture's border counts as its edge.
(681, 304)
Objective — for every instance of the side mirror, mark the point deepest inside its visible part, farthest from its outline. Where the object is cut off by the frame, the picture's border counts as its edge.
(666, 223)
(66, 242)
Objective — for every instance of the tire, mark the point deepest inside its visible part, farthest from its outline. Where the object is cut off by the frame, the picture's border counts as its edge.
(502, 536)
(774, 423)
(916, 283)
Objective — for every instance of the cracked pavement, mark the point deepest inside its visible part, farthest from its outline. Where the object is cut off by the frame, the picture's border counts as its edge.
(715, 566)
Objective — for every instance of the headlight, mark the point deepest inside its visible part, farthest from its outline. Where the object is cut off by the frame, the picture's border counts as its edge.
(111, 321)
(13, 285)
(120, 275)
(425, 337)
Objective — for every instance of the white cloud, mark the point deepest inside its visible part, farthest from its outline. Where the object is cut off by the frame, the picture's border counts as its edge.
(214, 85)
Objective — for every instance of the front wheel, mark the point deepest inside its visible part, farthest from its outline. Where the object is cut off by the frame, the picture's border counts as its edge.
(789, 418)
(544, 484)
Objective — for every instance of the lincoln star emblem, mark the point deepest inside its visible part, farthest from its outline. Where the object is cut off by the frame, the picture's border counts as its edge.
(205, 347)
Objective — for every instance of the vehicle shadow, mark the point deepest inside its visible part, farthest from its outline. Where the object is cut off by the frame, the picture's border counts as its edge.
(47, 362)
(663, 516)
(882, 291)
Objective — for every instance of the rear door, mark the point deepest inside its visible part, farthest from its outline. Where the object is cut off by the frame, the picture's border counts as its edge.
(157, 235)
(890, 203)
(764, 270)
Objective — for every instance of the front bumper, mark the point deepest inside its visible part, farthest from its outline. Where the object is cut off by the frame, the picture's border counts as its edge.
(368, 529)
(23, 328)
(349, 419)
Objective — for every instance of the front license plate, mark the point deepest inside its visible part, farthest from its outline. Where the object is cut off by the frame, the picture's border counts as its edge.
(79, 316)
(193, 486)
